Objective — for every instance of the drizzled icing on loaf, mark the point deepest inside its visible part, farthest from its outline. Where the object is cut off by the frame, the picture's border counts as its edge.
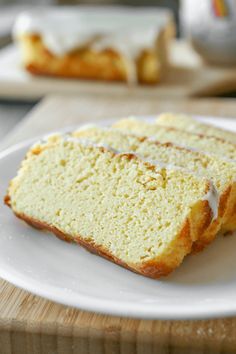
(128, 31)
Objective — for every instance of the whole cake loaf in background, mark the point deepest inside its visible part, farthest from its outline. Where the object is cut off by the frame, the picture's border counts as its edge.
(116, 44)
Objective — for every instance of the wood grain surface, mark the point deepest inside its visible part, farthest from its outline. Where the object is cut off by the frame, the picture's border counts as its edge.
(32, 325)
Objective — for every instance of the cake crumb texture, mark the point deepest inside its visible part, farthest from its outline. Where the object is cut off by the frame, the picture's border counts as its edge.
(135, 213)
(184, 122)
(220, 171)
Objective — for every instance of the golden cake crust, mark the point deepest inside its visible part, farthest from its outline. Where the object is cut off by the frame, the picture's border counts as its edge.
(150, 269)
(195, 223)
(230, 217)
(107, 65)
(153, 269)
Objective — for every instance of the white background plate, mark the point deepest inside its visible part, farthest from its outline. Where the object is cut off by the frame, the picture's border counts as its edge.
(203, 286)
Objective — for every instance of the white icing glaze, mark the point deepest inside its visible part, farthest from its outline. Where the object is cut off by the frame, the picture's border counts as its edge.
(88, 127)
(67, 137)
(213, 199)
(98, 127)
(62, 29)
(212, 196)
(83, 141)
(126, 30)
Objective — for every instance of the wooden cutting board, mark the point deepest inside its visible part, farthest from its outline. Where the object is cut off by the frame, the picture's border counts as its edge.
(187, 76)
(32, 325)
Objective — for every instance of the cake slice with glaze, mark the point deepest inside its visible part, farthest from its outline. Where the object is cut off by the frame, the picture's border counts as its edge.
(201, 142)
(207, 144)
(221, 172)
(184, 122)
(137, 214)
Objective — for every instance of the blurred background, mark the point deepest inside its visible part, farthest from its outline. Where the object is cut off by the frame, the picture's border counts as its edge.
(9, 9)
(11, 112)
(202, 53)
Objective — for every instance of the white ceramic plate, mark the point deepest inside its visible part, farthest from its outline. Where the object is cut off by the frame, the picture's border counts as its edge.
(203, 286)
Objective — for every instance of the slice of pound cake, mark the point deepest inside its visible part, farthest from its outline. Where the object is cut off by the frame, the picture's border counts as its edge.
(137, 214)
(183, 122)
(221, 172)
(200, 142)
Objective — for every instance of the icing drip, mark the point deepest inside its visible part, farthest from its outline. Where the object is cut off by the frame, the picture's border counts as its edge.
(213, 199)
(212, 196)
(127, 30)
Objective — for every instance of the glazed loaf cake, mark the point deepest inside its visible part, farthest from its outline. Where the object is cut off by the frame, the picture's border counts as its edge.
(183, 122)
(113, 45)
(208, 144)
(138, 214)
(86, 63)
(221, 172)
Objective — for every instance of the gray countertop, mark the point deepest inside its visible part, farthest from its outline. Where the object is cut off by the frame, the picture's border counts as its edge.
(11, 113)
